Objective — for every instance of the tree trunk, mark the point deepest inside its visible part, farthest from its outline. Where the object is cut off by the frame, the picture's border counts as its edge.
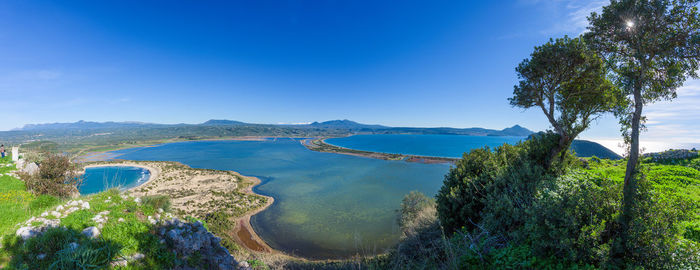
(560, 150)
(630, 186)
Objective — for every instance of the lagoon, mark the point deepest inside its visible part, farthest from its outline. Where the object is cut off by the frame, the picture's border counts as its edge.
(452, 146)
(326, 205)
(97, 179)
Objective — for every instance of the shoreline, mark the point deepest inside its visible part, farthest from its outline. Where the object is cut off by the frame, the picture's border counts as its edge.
(242, 232)
(320, 145)
(243, 228)
(95, 156)
(154, 173)
(313, 144)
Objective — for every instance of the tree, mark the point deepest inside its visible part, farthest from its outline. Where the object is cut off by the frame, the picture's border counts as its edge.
(568, 82)
(652, 47)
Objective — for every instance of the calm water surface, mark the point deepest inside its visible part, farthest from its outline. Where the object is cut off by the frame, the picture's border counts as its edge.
(98, 179)
(422, 145)
(326, 205)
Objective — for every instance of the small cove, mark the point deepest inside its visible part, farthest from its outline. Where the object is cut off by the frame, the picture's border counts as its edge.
(97, 179)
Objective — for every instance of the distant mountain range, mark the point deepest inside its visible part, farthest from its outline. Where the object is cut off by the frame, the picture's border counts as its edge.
(81, 125)
(113, 133)
(348, 125)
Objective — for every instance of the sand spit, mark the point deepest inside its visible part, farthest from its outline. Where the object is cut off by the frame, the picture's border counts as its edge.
(198, 192)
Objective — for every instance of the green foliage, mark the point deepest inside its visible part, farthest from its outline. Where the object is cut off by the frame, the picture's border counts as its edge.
(461, 197)
(565, 212)
(44, 202)
(651, 48)
(157, 202)
(691, 230)
(484, 178)
(17, 204)
(79, 220)
(56, 177)
(567, 81)
(515, 257)
(220, 224)
(61, 248)
(574, 218)
(258, 265)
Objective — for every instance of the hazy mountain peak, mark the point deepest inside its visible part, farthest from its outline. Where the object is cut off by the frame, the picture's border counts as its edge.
(222, 122)
(516, 130)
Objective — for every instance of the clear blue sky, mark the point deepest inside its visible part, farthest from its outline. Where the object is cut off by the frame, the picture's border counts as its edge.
(397, 63)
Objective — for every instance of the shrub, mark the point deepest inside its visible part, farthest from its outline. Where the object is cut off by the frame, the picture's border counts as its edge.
(422, 241)
(654, 232)
(511, 196)
(461, 197)
(416, 209)
(220, 223)
(574, 218)
(157, 202)
(56, 176)
(504, 178)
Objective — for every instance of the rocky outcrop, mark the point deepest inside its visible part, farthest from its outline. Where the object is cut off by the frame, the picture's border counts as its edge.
(49, 219)
(30, 168)
(190, 239)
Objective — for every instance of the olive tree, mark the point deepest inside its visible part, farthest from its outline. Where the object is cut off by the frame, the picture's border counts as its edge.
(567, 81)
(652, 47)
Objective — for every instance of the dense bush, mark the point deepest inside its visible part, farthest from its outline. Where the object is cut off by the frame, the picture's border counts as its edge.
(574, 218)
(57, 176)
(507, 204)
(503, 180)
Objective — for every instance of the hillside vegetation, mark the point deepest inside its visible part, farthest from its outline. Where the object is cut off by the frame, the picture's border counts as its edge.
(501, 209)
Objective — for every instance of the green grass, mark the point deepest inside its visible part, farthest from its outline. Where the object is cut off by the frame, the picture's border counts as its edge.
(676, 181)
(17, 204)
(133, 234)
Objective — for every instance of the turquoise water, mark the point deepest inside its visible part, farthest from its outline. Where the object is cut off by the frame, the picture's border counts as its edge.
(98, 179)
(422, 145)
(326, 205)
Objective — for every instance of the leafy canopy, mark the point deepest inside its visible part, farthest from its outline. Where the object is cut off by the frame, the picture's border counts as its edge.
(651, 46)
(567, 81)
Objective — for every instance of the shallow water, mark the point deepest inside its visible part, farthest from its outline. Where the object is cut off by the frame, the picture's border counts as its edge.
(98, 179)
(326, 205)
(423, 145)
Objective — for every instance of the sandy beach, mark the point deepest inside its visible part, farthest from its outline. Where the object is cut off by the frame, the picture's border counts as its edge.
(154, 173)
(198, 192)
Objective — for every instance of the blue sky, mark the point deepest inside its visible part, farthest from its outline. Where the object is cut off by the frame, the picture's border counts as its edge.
(405, 63)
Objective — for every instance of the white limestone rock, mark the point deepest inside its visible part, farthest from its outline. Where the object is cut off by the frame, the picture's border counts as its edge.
(91, 232)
